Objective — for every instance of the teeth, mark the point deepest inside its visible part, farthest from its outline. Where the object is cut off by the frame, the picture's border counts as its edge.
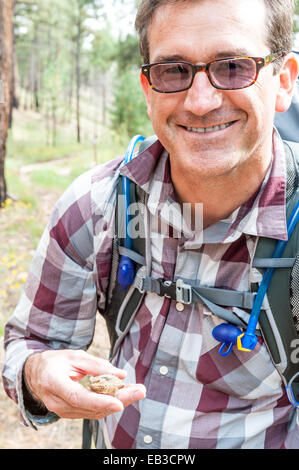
(209, 129)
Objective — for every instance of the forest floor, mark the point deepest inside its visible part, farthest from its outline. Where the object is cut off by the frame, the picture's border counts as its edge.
(22, 221)
(64, 434)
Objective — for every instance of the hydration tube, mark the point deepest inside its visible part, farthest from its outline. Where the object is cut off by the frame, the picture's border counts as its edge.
(126, 273)
(290, 393)
(247, 341)
(228, 334)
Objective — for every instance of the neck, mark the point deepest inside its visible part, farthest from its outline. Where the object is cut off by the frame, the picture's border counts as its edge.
(220, 195)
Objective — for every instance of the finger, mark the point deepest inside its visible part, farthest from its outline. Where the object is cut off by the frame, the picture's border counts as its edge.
(131, 393)
(125, 397)
(77, 396)
(64, 410)
(88, 404)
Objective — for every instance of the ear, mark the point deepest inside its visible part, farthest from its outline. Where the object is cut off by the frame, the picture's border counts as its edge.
(146, 90)
(288, 75)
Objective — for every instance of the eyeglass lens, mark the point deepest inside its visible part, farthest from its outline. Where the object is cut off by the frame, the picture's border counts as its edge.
(226, 74)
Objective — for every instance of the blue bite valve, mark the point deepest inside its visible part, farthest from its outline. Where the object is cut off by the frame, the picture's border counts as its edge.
(126, 272)
(227, 335)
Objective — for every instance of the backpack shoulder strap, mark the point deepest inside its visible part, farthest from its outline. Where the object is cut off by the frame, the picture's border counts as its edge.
(122, 304)
(279, 324)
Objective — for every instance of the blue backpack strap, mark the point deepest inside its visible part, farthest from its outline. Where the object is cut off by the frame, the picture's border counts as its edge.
(122, 303)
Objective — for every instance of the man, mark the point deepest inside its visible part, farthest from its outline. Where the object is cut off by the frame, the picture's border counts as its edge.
(217, 147)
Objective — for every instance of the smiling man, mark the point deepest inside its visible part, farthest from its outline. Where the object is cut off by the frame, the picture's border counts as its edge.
(222, 136)
(215, 74)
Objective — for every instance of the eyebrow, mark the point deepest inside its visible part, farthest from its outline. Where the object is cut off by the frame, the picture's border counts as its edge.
(219, 55)
(169, 58)
(233, 53)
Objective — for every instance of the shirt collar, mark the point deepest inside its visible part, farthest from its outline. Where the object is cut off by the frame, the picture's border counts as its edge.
(147, 166)
(263, 215)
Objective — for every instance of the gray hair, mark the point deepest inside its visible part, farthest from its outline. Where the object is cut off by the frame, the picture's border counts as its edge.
(279, 25)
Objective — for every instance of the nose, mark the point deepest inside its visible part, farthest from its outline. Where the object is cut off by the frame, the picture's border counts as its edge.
(202, 97)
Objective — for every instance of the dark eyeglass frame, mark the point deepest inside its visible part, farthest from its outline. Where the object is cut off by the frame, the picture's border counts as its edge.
(260, 62)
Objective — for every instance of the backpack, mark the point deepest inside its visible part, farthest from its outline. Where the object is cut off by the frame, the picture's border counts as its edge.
(280, 332)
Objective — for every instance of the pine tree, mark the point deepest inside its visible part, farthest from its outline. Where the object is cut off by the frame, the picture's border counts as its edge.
(6, 45)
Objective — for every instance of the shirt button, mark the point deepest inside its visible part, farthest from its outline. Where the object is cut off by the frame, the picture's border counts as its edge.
(163, 370)
(179, 306)
(148, 439)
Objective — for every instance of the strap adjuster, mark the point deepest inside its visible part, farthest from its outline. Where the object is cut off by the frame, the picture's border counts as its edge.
(183, 292)
(178, 290)
(140, 278)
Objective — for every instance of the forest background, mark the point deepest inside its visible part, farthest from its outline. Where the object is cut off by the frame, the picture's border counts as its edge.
(70, 99)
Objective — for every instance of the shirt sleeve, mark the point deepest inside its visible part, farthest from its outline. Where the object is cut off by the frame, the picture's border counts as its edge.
(58, 305)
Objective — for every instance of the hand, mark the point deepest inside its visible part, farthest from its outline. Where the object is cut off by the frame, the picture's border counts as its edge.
(52, 377)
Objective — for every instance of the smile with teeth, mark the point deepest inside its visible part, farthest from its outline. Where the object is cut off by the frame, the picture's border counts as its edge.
(209, 129)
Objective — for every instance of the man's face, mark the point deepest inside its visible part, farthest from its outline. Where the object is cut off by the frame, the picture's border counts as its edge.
(199, 32)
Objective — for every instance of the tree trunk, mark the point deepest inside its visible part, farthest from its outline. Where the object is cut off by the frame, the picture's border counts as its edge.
(13, 95)
(53, 121)
(104, 99)
(35, 69)
(78, 79)
(6, 44)
(70, 95)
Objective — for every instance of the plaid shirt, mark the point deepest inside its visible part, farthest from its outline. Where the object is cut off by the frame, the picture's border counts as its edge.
(195, 397)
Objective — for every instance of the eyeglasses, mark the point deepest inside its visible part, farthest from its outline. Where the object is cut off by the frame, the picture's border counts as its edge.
(232, 73)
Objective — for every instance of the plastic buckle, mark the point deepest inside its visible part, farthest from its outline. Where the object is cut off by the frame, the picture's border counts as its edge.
(183, 292)
(165, 285)
(140, 278)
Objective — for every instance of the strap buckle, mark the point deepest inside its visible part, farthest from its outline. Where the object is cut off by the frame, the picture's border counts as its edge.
(183, 292)
(140, 278)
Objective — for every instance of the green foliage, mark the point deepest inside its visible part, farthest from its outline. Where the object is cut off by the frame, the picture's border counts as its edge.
(19, 189)
(129, 113)
(49, 178)
(127, 52)
(27, 142)
(296, 22)
(66, 54)
(103, 50)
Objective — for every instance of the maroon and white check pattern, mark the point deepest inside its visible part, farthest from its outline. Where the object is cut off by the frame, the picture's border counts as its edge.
(195, 397)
